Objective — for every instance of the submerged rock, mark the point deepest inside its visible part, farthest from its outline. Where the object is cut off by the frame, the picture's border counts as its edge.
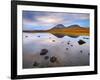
(43, 52)
(38, 36)
(35, 64)
(62, 42)
(85, 38)
(81, 51)
(26, 36)
(71, 45)
(53, 59)
(46, 57)
(66, 48)
(49, 37)
(81, 42)
(53, 40)
(68, 42)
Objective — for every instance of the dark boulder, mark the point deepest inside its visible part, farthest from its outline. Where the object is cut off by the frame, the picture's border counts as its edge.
(81, 42)
(43, 52)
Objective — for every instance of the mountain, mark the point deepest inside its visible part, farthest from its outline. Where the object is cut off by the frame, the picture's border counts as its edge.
(73, 30)
(73, 26)
(59, 26)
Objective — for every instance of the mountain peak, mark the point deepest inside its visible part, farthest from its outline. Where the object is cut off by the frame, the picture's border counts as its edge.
(59, 26)
(75, 25)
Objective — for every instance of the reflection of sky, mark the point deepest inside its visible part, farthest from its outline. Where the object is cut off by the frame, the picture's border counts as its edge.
(45, 20)
(71, 54)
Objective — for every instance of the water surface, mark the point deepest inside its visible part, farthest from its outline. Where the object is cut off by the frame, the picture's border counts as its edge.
(67, 50)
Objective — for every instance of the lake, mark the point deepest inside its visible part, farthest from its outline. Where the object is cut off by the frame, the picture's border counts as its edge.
(42, 50)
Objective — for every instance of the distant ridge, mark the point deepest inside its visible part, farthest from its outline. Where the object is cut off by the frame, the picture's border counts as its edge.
(61, 26)
(71, 26)
(60, 30)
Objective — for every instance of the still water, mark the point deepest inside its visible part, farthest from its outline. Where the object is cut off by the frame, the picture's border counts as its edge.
(46, 50)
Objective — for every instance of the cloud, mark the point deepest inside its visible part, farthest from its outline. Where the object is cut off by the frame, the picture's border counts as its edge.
(47, 19)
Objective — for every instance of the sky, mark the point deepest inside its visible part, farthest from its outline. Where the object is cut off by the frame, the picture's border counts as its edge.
(43, 20)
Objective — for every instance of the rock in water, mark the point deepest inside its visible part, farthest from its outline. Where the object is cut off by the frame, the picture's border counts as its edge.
(71, 45)
(81, 51)
(66, 48)
(85, 38)
(26, 36)
(43, 52)
(38, 36)
(46, 57)
(35, 64)
(81, 42)
(68, 42)
(53, 40)
(53, 59)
